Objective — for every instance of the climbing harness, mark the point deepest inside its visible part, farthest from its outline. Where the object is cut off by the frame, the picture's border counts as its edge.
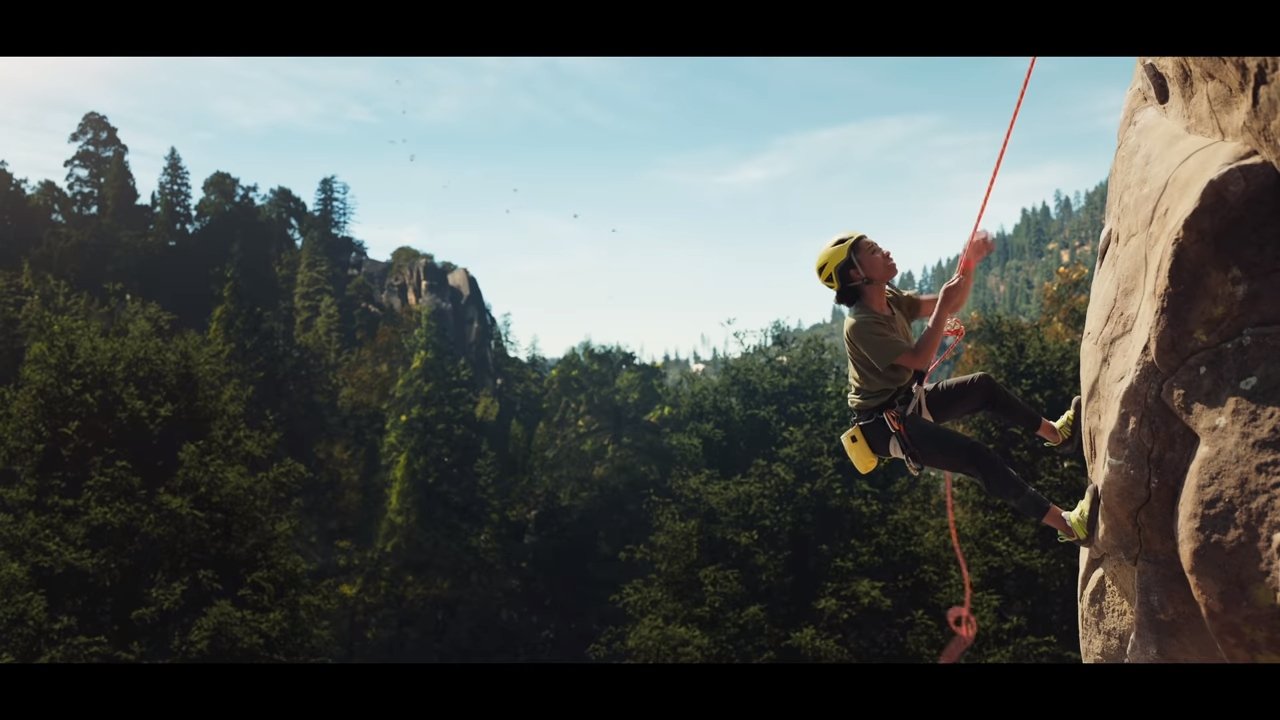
(911, 399)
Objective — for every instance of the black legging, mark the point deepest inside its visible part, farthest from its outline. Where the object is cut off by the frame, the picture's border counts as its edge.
(945, 449)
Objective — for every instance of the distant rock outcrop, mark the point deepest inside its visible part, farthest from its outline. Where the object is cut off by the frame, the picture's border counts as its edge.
(411, 279)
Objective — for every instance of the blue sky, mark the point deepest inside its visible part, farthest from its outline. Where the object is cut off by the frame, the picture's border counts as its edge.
(649, 202)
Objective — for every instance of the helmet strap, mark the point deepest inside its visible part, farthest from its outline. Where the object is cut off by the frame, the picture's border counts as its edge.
(865, 280)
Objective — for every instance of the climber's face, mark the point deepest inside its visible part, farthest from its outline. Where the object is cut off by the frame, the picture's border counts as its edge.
(875, 261)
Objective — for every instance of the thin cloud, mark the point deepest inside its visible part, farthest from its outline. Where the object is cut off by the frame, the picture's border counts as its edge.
(550, 91)
(813, 154)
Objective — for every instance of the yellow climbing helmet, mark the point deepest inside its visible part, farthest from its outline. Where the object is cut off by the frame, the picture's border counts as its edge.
(833, 258)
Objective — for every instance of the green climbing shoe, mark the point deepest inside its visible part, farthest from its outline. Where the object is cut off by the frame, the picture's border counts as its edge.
(1068, 427)
(1083, 520)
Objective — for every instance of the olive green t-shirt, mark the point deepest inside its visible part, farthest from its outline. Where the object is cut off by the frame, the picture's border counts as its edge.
(873, 341)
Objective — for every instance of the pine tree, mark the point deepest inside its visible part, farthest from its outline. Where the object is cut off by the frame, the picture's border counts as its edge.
(171, 202)
(317, 323)
(433, 557)
(334, 207)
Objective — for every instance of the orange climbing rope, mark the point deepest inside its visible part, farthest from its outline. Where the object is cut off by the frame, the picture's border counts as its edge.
(960, 619)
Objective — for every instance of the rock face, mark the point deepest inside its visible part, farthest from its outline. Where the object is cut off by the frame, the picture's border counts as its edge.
(454, 291)
(1180, 372)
